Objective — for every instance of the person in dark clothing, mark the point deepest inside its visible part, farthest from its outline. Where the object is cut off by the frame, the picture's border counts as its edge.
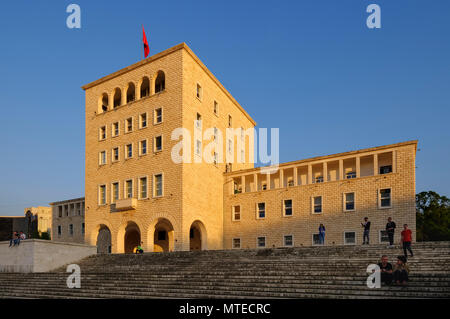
(406, 240)
(139, 249)
(321, 234)
(401, 271)
(14, 239)
(390, 229)
(386, 270)
(366, 226)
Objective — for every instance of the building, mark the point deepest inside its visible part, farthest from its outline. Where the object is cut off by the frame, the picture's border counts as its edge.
(41, 216)
(137, 189)
(68, 220)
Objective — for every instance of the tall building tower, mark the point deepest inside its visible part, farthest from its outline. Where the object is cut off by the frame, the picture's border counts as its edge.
(137, 187)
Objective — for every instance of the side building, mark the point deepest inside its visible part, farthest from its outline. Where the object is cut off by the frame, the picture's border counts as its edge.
(68, 220)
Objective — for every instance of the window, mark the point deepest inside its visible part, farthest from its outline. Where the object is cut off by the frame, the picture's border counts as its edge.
(385, 198)
(102, 157)
(129, 151)
(158, 116)
(143, 187)
(386, 169)
(115, 154)
(261, 210)
(60, 211)
(131, 92)
(216, 108)
(199, 91)
(143, 147)
(66, 209)
(117, 100)
(102, 135)
(83, 228)
(230, 121)
(158, 143)
(160, 82)
(129, 188)
(236, 213)
(129, 125)
(317, 204)
(102, 195)
(115, 192)
(104, 103)
(143, 120)
(288, 207)
(384, 238)
(230, 146)
(71, 229)
(115, 129)
(349, 238)
(59, 230)
(158, 185)
(315, 239)
(349, 201)
(198, 122)
(350, 175)
(216, 156)
(145, 87)
(288, 241)
(261, 242)
(216, 134)
(198, 148)
(236, 243)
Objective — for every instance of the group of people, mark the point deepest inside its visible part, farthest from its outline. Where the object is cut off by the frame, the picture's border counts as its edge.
(406, 235)
(397, 275)
(16, 238)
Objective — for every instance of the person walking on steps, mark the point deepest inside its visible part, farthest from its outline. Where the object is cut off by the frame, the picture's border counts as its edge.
(390, 229)
(366, 226)
(406, 240)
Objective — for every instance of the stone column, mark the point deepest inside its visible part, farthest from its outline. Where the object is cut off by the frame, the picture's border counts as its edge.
(375, 164)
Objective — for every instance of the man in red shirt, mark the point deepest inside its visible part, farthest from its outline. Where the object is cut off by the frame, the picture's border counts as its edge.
(406, 240)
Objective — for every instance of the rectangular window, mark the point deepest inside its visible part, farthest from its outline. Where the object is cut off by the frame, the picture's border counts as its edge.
(230, 146)
(236, 243)
(115, 154)
(199, 91)
(315, 239)
(386, 169)
(216, 156)
(317, 204)
(83, 228)
(216, 108)
(60, 211)
(384, 238)
(385, 198)
(158, 143)
(198, 148)
(216, 134)
(236, 213)
(102, 157)
(261, 213)
(143, 120)
(143, 187)
(143, 147)
(115, 192)
(288, 207)
(71, 229)
(158, 185)
(158, 116)
(115, 129)
(128, 125)
(349, 201)
(230, 121)
(349, 238)
(198, 121)
(129, 188)
(102, 133)
(288, 240)
(102, 195)
(261, 241)
(59, 230)
(129, 151)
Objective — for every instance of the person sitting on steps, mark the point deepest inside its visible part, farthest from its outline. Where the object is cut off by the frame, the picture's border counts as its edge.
(401, 271)
(13, 240)
(386, 270)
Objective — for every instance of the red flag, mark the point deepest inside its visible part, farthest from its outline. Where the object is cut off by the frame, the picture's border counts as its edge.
(146, 47)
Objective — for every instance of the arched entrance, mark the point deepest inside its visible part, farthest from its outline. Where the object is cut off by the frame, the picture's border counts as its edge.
(132, 237)
(163, 236)
(104, 240)
(197, 236)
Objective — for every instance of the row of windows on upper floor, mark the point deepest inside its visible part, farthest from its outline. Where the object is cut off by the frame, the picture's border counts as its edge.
(75, 209)
(348, 205)
(129, 124)
(129, 189)
(159, 85)
(71, 230)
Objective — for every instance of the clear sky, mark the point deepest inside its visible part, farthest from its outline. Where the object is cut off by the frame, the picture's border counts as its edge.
(311, 68)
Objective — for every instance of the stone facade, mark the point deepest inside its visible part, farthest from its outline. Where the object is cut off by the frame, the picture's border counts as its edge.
(41, 216)
(135, 191)
(68, 220)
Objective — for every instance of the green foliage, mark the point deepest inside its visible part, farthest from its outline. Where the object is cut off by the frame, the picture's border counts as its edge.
(432, 216)
(45, 236)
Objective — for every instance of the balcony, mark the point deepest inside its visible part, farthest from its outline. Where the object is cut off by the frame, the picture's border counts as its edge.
(126, 204)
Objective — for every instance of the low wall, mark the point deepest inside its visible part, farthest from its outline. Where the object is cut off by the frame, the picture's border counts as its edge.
(35, 255)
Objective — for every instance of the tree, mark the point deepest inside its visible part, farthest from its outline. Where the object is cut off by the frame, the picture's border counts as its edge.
(432, 216)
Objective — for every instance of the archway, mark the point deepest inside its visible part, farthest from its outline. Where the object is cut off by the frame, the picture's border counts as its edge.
(197, 236)
(104, 240)
(163, 240)
(160, 82)
(132, 237)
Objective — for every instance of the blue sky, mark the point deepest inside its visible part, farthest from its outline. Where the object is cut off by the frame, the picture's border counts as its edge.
(311, 68)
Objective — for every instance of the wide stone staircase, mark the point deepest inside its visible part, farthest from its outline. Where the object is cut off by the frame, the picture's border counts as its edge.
(303, 272)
